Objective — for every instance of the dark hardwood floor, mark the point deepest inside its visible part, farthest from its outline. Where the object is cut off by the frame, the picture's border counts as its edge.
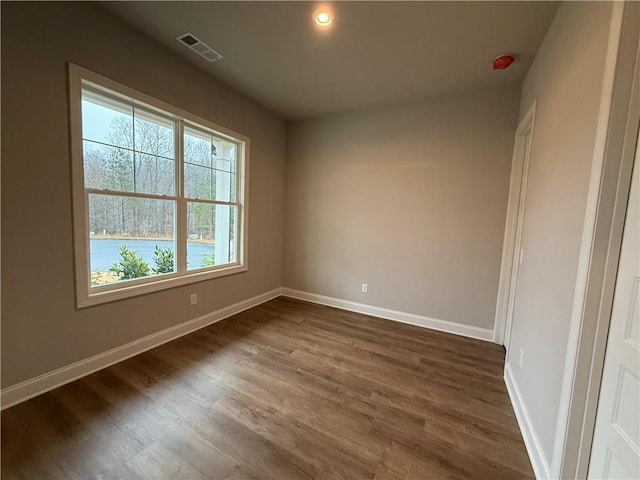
(284, 390)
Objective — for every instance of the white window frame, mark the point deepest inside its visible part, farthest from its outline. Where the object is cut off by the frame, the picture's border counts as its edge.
(86, 295)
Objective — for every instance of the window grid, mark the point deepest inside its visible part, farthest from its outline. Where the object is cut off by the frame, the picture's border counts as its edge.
(178, 126)
(146, 186)
(96, 142)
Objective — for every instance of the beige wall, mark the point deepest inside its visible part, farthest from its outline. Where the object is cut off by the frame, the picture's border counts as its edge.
(41, 329)
(566, 81)
(409, 199)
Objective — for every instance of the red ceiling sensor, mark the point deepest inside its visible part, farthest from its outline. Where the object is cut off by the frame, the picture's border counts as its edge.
(502, 62)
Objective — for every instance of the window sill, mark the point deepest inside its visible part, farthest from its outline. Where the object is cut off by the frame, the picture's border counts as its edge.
(143, 286)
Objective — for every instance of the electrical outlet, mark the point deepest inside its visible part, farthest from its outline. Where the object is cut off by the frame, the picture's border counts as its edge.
(521, 357)
(194, 298)
(365, 288)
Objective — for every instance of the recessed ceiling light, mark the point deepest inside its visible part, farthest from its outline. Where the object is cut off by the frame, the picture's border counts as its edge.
(323, 19)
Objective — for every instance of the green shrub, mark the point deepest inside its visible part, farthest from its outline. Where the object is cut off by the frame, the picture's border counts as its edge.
(163, 258)
(208, 260)
(130, 266)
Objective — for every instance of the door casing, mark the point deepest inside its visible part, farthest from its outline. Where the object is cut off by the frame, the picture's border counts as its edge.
(512, 242)
(590, 325)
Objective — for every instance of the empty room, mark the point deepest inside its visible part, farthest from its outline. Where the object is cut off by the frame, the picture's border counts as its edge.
(342, 240)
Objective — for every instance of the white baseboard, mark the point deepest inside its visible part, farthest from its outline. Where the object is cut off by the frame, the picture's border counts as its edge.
(532, 442)
(48, 381)
(410, 318)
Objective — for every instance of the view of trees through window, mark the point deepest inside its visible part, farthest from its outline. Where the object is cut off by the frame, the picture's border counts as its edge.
(132, 172)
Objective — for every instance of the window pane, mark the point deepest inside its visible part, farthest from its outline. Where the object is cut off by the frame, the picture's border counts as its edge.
(233, 234)
(154, 134)
(208, 150)
(197, 147)
(212, 238)
(197, 182)
(106, 120)
(155, 175)
(107, 167)
(144, 227)
(225, 154)
(209, 184)
(224, 186)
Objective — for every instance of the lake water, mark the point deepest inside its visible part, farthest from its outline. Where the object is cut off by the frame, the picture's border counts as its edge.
(106, 252)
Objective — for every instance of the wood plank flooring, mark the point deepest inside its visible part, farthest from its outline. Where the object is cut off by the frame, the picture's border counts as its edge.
(286, 390)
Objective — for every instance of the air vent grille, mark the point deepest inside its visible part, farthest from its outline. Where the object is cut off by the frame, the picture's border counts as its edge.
(199, 47)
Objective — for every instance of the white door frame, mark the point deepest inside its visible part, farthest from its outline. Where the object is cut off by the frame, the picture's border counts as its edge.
(608, 197)
(513, 229)
(612, 437)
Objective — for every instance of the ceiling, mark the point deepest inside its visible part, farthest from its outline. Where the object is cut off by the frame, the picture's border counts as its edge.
(374, 53)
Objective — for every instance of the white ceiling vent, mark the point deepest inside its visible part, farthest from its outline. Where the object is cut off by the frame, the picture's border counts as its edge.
(199, 47)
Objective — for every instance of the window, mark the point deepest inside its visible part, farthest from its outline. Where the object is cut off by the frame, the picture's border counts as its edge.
(158, 193)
